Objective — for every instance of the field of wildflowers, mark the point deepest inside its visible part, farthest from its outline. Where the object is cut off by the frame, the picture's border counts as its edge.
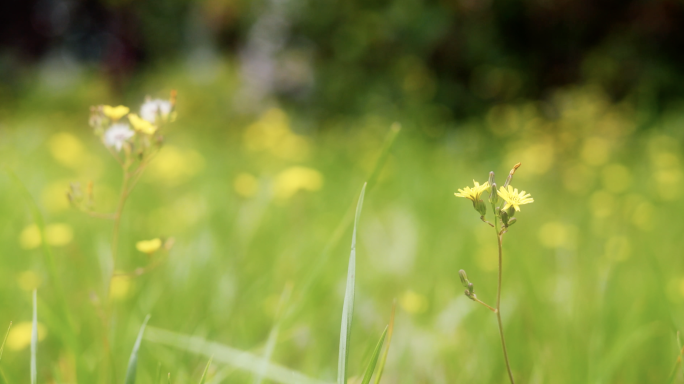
(231, 229)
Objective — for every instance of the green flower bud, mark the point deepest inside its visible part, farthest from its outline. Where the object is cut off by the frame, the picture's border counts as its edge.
(471, 288)
(464, 278)
(480, 206)
(511, 222)
(493, 196)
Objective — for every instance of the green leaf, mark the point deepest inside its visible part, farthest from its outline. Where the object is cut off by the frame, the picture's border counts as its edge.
(273, 335)
(348, 307)
(370, 368)
(133, 361)
(206, 369)
(34, 340)
(234, 357)
(381, 367)
(2, 347)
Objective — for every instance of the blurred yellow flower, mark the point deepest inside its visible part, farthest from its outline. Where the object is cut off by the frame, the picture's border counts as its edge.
(174, 165)
(555, 234)
(141, 125)
(56, 235)
(246, 185)
(20, 335)
(115, 113)
(473, 193)
(120, 288)
(149, 246)
(294, 179)
(413, 303)
(513, 198)
(67, 149)
(28, 281)
(53, 196)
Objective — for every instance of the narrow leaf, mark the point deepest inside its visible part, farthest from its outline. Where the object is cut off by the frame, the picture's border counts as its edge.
(34, 340)
(2, 347)
(381, 367)
(374, 359)
(273, 335)
(348, 307)
(133, 361)
(206, 369)
(234, 357)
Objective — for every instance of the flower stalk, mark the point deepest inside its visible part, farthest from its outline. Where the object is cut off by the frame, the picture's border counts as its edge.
(503, 219)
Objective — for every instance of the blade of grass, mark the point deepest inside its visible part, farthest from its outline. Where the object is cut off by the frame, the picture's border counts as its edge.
(234, 357)
(2, 347)
(381, 367)
(206, 369)
(158, 376)
(348, 307)
(370, 368)
(342, 226)
(273, 335)
(681, 350)
(69, 337)
(3, 379)
(133, 360)
(34, 340)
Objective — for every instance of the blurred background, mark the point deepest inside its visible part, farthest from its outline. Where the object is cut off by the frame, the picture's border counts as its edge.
(283, 110)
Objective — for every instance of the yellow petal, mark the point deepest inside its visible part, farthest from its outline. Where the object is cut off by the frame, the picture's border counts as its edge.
(115, 113)
(149, 246)
(141, 125)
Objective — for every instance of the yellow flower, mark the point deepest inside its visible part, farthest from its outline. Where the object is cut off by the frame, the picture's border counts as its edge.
(20, 335)
(473, 193)
(115, 113)
(141, 125)
(149, 246)
(513, 198)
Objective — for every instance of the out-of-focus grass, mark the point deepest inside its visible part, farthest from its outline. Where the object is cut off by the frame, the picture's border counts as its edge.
(594, 278)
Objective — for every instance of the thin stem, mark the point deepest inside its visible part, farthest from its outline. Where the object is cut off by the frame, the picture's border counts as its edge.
(485, 304)
(499, 239)
(119, 211)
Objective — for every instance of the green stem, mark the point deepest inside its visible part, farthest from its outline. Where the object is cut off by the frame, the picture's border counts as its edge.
(499, 239)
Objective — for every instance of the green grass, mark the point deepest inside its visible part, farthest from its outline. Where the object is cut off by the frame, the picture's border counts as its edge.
(593, 288)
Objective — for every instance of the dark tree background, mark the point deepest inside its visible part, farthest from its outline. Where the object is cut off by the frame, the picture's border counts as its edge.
(462, 54)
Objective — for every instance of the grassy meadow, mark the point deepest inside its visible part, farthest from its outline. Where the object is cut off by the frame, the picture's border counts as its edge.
(260, 204)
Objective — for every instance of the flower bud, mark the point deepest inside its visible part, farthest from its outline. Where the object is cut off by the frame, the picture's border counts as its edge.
(491, 178)
(471, 288)
(511, 222)
(480, 206)
(493, 196)
(464, 278)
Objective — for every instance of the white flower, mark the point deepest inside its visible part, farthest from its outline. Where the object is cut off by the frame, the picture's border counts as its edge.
(117, 134)
(152, 109)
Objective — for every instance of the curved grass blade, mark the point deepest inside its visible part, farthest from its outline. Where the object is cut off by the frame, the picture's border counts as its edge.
(273, 335)
(3, 379)
(374, 358)
(34, 340)
(70, 335)
(346, 220)
(381, 367)
(133, 361)
(206, 369)
(348, 307)
(234, 357)
(2, 347)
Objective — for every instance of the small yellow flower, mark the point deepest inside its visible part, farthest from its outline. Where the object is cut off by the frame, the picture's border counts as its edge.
(141, 125)
(513, 198)
(149, 246)
(20, 335)
(473, 193)
(115, 113)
